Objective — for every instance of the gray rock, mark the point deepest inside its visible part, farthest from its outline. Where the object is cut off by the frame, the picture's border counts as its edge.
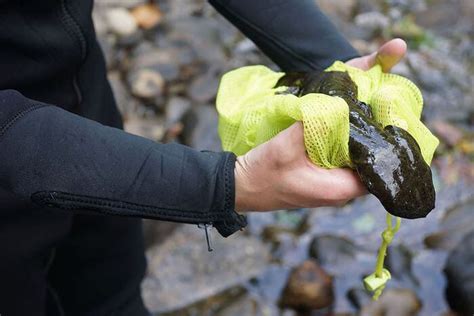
(459, 272)
(151, 128)
(399, 263)
(372, 21)
(167, 61)
(332, 250)
(200, 128)
(182, 272)
(176, 108)
(146, 83)
(120, 21)
(202, 35)
(204, 88)
(457, 223)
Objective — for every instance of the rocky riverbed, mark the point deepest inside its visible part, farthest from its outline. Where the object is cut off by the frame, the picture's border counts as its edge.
(165, 59)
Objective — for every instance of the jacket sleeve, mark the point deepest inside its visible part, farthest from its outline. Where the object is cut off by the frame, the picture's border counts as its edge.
(296, 35)
(57, 159)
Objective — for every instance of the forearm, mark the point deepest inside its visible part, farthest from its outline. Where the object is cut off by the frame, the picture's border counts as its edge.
(296, 35)
(58, 159)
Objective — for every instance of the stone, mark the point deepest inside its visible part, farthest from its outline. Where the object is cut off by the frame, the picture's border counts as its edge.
(309, 287)
(146, 83)
(121, 22)
(459, 271)
(200, 128)
(176, 109)
(453, 226)
(399, 263)
(373, 22)
(393, 302)
(332, 250)
(204, 88)
(181, 271)
(167, 61)
(147, 16)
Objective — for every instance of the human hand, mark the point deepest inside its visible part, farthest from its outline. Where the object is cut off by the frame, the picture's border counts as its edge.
(278, 174)
(388, 55)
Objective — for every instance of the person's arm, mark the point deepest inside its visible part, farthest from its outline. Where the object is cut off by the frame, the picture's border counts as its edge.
(54, 158)
(296, 35)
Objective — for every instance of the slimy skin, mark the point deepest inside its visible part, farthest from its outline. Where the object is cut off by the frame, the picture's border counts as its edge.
(388, 160)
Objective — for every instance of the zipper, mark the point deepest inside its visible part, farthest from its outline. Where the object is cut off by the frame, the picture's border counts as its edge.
(207, 232)
(73, 28)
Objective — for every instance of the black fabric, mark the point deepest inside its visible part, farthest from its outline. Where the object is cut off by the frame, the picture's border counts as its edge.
(63, 175)
(295, 34)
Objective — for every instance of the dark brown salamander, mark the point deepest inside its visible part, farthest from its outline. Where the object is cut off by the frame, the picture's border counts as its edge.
(388, 160)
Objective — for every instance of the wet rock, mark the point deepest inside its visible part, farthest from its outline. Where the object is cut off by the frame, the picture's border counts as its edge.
(308, 288)
(181, 271)
(147, 16)
(146, 83)
(202, 35)
(393, 302)
(121, 22)
(200, 128)
(176, 109)
(459, 272)
(204, 88)
(456, 224)
(398, 262)
(332, 250)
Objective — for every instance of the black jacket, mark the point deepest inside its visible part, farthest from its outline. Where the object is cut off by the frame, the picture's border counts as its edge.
(62, 153)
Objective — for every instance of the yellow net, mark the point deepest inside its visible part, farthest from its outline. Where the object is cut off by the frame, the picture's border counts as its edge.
(250, 112)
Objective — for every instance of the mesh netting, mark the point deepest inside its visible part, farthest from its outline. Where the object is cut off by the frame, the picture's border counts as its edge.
(250, 112)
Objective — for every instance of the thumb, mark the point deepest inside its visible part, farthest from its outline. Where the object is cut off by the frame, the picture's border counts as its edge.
(390, 54)
(387, 56)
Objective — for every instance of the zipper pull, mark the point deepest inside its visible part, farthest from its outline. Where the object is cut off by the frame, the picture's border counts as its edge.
(207, 230)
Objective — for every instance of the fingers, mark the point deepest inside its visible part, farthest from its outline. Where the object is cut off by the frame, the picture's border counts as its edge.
(391, 53)
(335, 187)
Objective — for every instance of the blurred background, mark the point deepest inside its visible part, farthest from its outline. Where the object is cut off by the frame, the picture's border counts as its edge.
(165, 59)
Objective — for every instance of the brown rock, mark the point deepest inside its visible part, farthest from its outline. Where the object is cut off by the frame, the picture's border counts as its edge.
(393, 302)
(309, 287)
(147, 16)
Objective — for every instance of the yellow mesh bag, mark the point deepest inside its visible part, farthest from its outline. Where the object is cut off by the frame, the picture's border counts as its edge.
(250, 112)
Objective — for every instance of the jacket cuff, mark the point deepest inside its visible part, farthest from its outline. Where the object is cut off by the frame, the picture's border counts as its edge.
(224, 202)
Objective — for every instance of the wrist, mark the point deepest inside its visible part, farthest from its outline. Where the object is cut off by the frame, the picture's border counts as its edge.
(242, 195)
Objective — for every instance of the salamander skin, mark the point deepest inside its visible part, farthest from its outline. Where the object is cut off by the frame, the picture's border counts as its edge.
(388, 160)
